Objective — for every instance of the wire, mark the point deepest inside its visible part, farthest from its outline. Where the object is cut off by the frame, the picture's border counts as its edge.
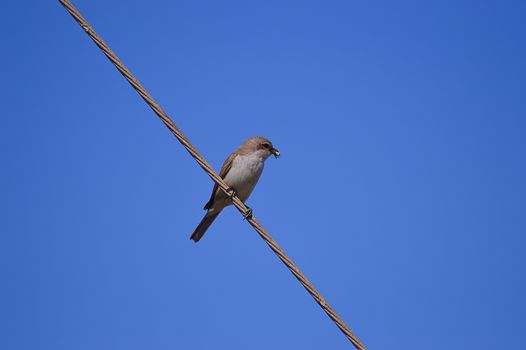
(210, 171)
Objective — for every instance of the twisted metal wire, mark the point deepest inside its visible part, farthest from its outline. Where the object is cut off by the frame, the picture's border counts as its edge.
(210, 171)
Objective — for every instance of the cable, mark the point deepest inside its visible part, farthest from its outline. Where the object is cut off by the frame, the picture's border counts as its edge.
(210, 171)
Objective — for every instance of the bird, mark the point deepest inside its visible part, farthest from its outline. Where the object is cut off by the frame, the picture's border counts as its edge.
(241, 171)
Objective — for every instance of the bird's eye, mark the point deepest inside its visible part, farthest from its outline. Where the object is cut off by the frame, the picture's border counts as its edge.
(266, 145)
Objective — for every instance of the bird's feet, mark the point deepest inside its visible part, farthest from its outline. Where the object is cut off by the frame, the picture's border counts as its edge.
(231, 192)
(248, 214)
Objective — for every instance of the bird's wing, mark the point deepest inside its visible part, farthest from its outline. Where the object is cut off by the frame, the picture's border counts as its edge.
(227, 165)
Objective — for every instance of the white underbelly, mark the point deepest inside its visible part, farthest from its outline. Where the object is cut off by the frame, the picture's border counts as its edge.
(244, 175)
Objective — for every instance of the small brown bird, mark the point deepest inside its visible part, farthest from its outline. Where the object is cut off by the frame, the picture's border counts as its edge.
(241, 171)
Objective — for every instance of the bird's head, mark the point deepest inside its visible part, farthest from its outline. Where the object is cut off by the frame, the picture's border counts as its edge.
(262, 146)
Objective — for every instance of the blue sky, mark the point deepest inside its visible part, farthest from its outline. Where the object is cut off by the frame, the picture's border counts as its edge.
(400, 192)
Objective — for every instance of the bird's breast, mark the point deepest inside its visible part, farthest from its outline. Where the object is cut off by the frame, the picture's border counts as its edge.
(244, 174)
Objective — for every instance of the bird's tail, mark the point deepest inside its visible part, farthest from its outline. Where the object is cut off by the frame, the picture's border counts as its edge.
(203, 226)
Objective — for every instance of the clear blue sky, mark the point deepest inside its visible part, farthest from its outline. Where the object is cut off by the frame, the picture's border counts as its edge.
(400, 192)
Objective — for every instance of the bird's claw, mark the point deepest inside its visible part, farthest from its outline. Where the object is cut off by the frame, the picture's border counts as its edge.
(231, 192)
(248, 214)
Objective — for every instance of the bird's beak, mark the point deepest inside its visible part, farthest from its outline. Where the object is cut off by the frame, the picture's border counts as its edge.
(275, 152)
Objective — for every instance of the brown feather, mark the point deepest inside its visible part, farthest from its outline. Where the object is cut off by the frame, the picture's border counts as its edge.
(203, 226)
(227, 165)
